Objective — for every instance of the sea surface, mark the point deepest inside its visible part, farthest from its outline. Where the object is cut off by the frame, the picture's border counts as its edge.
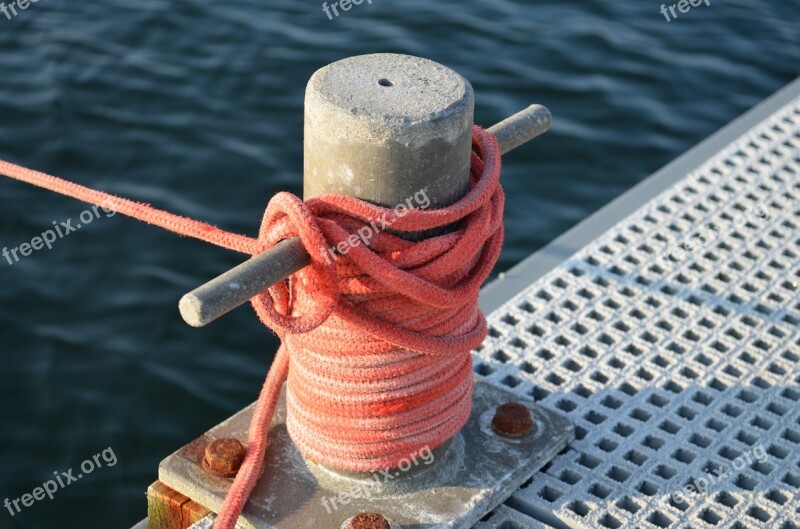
(197, 108)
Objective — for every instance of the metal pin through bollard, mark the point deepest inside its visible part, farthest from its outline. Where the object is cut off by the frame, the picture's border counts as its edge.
(447, 183)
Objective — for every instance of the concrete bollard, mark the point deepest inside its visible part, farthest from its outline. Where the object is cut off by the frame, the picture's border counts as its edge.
(383, 127)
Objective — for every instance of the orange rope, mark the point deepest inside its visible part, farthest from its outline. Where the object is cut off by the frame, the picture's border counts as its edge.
(376, 344)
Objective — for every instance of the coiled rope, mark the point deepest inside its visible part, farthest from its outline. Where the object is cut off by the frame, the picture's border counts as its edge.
(376, 345)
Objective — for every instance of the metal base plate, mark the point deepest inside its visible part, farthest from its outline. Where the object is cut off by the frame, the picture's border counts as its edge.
(475, 474)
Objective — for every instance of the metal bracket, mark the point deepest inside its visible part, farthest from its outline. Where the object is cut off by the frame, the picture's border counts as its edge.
(476, 473)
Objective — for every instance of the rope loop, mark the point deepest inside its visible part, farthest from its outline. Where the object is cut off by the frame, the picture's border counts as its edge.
(313, 291)
(432, 272)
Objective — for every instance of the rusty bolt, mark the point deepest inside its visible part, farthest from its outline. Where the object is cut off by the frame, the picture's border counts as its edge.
(368, 520)
(512, 420)
(223, 457)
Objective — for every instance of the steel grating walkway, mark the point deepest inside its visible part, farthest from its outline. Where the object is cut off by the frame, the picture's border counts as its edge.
(675, 370)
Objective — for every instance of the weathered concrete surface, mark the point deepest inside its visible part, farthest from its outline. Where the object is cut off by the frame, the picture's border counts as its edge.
(382, 127)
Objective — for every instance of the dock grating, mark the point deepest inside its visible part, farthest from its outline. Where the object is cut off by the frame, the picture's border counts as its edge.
(671, 341)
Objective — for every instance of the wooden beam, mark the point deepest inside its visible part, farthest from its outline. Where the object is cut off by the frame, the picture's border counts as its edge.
(168, 509)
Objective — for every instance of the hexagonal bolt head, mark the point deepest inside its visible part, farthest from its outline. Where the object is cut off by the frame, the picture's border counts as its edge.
(369, 520)
(224, 457)
(512, 420)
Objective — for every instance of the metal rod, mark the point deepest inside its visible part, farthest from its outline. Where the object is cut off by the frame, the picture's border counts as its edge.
(237, 286)
(522, 127)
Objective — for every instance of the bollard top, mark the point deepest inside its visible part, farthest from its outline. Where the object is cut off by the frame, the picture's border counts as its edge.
(390, 95)
(383, 127)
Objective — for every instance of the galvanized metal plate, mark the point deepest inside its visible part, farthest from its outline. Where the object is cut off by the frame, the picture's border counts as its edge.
(474, 475)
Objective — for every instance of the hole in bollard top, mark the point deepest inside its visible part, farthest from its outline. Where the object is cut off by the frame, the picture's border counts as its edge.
(385, 82)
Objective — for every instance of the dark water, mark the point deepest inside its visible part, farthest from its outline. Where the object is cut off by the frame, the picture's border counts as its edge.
(197, 107)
